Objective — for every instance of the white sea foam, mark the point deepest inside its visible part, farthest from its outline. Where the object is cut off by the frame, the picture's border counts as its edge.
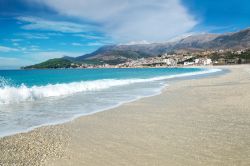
(10, 94)
(25, 116)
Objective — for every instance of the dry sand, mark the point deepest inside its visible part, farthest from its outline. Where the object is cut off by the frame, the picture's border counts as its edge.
(193, 122)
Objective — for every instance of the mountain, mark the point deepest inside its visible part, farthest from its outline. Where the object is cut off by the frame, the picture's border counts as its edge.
(115, 54)
(237, 40)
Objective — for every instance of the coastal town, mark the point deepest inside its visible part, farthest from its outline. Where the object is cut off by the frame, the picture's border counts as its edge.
(179, 59)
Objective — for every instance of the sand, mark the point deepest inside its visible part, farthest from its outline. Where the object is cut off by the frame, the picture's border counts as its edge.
(193, 122)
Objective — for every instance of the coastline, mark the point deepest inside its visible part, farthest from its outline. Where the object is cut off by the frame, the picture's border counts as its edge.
(164, 79)
(143, 132)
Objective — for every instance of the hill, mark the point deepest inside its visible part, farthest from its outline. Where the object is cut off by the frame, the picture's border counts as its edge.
(51, 64)
(116, 54)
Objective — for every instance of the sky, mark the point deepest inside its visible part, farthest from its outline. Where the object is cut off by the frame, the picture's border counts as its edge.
(32, 31)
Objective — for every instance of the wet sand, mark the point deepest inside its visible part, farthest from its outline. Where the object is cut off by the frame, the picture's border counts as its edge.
(193, 122)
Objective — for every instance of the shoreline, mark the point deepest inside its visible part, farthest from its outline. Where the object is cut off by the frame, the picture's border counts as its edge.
(171, 78)
(63, 137)
(78, 116)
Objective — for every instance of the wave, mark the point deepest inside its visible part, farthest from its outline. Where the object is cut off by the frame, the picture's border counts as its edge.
(4, 82)
(10, 94)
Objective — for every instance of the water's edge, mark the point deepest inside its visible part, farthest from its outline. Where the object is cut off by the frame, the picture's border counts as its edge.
(210, 73)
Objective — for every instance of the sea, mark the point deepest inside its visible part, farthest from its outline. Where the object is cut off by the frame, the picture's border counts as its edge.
(35, 98)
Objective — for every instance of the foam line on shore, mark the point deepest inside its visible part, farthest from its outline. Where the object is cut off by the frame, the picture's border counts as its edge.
(11, 94)
(156, 92)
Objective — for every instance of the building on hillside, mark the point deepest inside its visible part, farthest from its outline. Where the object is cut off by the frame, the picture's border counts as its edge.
(188, 63)
(224, 61)
(197, 61)
(207, 62)
(170, 62)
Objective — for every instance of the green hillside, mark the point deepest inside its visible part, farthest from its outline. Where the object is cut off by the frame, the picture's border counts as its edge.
(51, 64)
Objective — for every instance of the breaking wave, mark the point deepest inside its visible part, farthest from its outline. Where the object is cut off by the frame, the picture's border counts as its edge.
(11, 94)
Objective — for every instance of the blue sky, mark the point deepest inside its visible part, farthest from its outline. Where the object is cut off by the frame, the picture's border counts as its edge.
(36, 30)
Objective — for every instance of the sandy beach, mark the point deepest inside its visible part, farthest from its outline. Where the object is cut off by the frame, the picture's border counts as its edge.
(193, 122)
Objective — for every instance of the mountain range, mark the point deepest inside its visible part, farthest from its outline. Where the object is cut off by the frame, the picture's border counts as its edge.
(115, 54)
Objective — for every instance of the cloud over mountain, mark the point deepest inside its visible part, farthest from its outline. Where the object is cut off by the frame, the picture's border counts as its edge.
(129, 20)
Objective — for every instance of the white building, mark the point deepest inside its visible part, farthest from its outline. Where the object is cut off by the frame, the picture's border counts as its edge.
(207, 62)
(188, 63)
(197, 61)
(170, 62)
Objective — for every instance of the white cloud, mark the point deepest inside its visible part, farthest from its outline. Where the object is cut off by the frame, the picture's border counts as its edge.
(7, 49)
(16, 40)
(45, 55)
(10, 63)
(95, 44)
(137, 42)
(34, 48)
(76, 44)
(31, 57)
(22, 48)
(91, 37)
(15, 44)
(99, 43)
(127, 20)
(34, 36)
(34, 23)
(180, 37)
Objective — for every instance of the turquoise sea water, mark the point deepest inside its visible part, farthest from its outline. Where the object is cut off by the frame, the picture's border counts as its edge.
(45, 77)
(32, 98)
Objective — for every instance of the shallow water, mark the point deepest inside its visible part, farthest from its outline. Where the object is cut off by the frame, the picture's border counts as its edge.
(33, 98)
